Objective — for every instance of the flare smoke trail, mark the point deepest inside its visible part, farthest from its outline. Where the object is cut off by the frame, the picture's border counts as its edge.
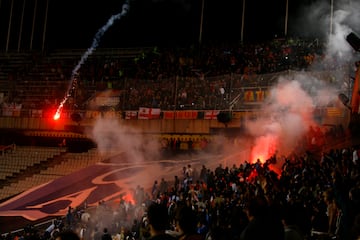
(95, 43)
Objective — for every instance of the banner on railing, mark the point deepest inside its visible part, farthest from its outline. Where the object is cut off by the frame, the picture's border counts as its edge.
(211, 114)
(17, 110)
(149, 113)
(237, 115)
(180, 114)
(36, 113)
(109, 114)
(11, 109)
(255, 95)
(169, 115)
(130, 115)
(92, 114)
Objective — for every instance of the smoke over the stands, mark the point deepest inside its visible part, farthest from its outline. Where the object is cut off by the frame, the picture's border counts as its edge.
(112, 137)
(288, 112)
(285, 117)
(313, 20)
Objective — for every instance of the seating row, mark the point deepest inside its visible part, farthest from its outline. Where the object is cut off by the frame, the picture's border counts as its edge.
(70, 162)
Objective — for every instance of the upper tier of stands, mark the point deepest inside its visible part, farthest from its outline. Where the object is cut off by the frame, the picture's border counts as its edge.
(207, 78)
(35, 80)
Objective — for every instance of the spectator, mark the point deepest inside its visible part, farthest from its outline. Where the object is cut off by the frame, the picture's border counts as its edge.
(158, 220)
(187, 223)
(67, 235)
(332, 211)
(106, 235)
(96, 234)
(292, 230)
(261, 222)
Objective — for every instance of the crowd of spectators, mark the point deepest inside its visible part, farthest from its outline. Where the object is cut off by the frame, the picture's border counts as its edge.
(205, 78)
(296, 197)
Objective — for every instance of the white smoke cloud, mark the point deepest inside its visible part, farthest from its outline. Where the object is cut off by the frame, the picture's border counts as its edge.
(285, 117)
(112, 137)
(337, 44)
(331, 24)
(122, 145)
(288, 112)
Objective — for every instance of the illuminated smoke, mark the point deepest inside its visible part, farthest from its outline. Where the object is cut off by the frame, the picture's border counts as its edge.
(94, 45)
(288, 112)
(337, 44)
(286, 116)
(113, 137)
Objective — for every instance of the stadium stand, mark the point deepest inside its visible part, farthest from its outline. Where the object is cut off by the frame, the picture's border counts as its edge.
(66, 163)
(232, 70)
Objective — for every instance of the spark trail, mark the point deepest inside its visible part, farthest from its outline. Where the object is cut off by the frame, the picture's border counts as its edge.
(90, 50)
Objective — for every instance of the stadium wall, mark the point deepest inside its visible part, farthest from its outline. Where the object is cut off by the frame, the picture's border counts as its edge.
(145, 126)
(328, 116)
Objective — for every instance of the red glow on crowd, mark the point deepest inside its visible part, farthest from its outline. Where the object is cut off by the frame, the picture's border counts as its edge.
(128, 198)
(264, 149)
(275, 169)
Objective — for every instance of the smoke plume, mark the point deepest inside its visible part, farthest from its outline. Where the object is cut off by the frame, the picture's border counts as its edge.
(287, 114)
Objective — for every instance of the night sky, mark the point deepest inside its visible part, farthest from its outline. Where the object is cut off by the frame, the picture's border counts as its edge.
(74, 23)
